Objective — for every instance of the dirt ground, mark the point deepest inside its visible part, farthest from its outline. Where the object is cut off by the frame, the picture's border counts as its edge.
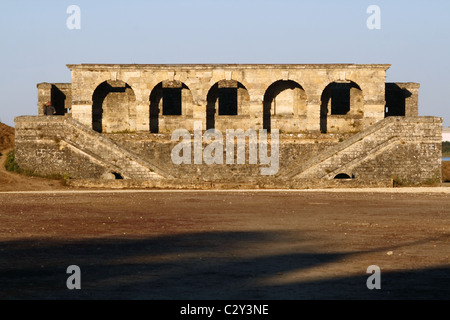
(216, 245)
(224, 245)
(6, 136)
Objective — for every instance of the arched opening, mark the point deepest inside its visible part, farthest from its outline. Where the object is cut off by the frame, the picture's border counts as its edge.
(340, 100)
(283, 99)
(225, 98)
(113, 107)
(117, 176)
(342, 176)
(168, 98)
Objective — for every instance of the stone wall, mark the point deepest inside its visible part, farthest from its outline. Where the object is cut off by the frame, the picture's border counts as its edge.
(61, 145)
(338, 125)
(406, 150)
(293, 149)
(59, 94)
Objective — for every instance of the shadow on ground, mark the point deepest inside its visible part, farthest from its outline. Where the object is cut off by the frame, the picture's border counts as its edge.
(210, 265)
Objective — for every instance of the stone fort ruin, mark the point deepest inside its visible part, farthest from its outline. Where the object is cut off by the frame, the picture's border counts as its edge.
(338, 124)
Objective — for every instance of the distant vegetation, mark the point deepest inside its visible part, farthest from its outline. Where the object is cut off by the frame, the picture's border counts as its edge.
(446, 149)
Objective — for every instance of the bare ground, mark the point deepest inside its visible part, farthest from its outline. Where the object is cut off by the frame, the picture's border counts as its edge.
(224, 245)
(6, 136)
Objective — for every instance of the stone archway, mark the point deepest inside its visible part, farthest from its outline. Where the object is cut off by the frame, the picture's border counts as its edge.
(225, 100)
(341, 107)
(284, 101)
(170, 101)
(113, 107)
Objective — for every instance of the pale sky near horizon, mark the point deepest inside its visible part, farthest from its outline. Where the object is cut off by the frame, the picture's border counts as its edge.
(36, 43)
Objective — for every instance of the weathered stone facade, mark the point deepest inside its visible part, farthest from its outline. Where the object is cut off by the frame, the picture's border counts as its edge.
(335, 121)
(291, 98)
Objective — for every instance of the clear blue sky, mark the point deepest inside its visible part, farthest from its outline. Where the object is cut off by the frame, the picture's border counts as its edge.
(36, 44)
